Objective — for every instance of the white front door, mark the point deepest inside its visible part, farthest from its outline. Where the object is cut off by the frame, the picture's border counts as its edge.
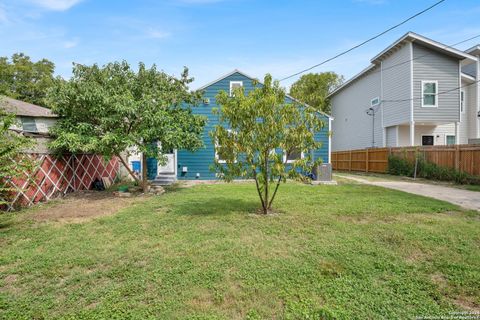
(169, 166)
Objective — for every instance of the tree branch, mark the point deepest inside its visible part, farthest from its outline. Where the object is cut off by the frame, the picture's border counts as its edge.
(128, 168)
(258, 189)
(275, 192)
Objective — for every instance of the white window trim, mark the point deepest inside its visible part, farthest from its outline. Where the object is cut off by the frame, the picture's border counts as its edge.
(376, 104)
(436, 94)
(302, 155)
(216, 153)
(427, 135)
(232, 83)
(462, 101)
(450, 135)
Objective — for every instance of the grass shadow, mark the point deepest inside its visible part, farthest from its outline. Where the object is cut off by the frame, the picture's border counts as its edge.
(219, 206)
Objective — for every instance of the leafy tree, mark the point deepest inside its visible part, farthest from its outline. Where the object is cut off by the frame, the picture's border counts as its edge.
(24, 79)
(256, 130)
(109, 110)
(12, 164)
(313, 89)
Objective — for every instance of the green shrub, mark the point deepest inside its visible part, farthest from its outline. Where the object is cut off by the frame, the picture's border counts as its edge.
(399, 166)
(427, 170)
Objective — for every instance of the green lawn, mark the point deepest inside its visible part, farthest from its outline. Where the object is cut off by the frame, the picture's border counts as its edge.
(347, 251)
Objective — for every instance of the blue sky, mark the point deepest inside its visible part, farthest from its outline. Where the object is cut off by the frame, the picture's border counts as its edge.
(213, 37)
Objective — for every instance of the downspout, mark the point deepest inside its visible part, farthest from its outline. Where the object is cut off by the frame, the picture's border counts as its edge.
(412, 120)
(458, 123)
(478, 96)
(329, 140)
(384, 130)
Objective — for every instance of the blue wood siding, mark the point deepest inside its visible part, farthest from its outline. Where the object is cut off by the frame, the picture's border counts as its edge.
(199, 162)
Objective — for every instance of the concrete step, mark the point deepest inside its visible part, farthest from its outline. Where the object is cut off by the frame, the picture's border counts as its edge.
(164, 180)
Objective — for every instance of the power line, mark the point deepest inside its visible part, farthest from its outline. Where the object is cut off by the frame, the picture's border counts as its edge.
(437, 94)
(378, 70)
(365, 42)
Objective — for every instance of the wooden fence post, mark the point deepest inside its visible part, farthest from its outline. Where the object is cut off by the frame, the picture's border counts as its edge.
(366, 161)
(349, 160)
(457, 157)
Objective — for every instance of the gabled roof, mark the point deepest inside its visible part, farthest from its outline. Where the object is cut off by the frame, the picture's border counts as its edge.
(226, 76)
(406, 38)
(253, 78)
(429, 43)
(21, 108)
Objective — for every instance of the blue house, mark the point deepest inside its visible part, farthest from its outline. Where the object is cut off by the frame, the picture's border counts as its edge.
(185, 165)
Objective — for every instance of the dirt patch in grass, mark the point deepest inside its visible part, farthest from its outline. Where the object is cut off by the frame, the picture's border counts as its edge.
(83, 206)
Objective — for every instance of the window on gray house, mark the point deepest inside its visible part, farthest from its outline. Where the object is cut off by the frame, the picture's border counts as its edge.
(29, 124)
(429, 93)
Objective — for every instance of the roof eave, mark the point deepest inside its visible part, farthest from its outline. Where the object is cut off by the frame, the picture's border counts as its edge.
(474, 50)
(348, 82)
(223, 77)
(413, 37)
(253, 78)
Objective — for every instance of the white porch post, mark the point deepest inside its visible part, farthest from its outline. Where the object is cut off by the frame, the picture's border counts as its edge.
(412, 133)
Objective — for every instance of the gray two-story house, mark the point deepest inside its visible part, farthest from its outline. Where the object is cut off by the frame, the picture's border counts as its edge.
(415, 92)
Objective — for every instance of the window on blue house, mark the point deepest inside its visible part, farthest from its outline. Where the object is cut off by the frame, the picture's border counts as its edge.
(218, 151)
(235, 85)
(292, 156)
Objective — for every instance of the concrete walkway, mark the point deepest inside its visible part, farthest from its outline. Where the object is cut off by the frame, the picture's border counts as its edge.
(464, 198)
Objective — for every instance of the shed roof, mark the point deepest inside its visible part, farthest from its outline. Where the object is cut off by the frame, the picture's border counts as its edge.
(21, 108)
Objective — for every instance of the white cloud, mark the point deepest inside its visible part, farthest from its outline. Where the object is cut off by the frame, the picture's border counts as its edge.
(56, 5)
(3, 15)
(371, 2)
(157, 34)
(193, 2)
(70, 44)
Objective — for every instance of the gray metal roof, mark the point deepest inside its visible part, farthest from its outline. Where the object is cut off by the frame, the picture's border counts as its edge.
(21, 108)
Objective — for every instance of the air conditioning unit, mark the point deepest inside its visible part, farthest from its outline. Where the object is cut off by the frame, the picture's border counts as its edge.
(324, 172)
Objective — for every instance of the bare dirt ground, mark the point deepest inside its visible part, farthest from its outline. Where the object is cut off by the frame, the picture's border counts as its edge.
(82, 206)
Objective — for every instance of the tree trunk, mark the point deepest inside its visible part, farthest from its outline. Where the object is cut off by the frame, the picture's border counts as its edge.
(274, 193)
(128, 169)
(144, 173)
(264, 205)
(265, 177)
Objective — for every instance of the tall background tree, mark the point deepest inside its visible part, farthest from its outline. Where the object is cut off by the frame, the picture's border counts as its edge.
(23, 79)
(112, 109)
(313, 89)
(257, 130)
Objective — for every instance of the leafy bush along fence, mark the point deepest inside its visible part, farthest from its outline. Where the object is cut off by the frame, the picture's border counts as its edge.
(53, 177)
(461, 158)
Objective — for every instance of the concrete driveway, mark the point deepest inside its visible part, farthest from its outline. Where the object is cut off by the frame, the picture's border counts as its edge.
(464, 198)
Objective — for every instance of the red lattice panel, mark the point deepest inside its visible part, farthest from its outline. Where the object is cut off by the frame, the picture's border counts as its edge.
(55, 177)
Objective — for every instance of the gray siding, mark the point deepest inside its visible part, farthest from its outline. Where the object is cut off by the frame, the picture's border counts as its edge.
(470, 69)
(391, 136)
(469, 117)
(431, 65)
(396, 86)
(352, 127)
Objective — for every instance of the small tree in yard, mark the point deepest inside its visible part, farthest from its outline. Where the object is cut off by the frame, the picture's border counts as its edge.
(111, 109)
(257, 130)
(12, 165)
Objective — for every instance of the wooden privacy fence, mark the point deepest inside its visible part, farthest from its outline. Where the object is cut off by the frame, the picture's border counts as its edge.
(465, 158)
